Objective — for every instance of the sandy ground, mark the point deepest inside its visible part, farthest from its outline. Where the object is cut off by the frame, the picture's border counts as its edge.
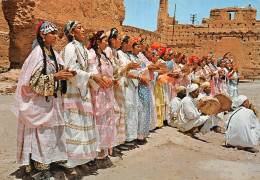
(168, 154)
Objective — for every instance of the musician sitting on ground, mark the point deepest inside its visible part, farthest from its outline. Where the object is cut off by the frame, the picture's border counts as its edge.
(216, 118)
(189, 118)
(242, 126)
(175, 105)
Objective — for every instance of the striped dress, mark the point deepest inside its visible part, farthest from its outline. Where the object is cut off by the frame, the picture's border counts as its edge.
(119, 94)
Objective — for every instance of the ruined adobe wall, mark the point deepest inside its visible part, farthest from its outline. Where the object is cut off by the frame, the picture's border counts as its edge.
(4, 41)
(24, 15)
(151, 36)
(239, 37)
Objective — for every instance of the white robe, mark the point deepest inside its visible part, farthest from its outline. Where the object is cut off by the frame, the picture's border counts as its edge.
(132, 102)
(82, 136)
(174, 107)
(242, 128)
(189, 117)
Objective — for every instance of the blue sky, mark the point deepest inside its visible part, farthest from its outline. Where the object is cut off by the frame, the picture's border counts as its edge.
(143, 13)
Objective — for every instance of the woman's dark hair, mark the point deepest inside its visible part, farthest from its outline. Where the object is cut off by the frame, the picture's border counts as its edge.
(44, 71)
(201, 61)
(125, 40)
(113, 35)
(94, 44)
(135, 44)
(69, 36)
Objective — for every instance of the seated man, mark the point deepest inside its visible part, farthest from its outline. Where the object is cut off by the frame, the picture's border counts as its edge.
(216, 118)
(189, 118)
(175, 105)
(242, 126)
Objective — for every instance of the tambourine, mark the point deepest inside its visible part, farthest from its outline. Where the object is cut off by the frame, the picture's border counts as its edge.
(212, 105)
(224, 100)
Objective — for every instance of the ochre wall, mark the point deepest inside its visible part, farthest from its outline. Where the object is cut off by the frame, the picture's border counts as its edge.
(239, 37)
(4, 41)
(24, 15)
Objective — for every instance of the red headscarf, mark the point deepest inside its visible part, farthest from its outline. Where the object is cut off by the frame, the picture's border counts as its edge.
(163, 51)
(135, 40)
(192, 59)
(155, 46)
(38, 27)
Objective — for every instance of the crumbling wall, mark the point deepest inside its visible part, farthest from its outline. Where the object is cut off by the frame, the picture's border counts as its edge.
(24, 15)
(4, 41)
(150, 36)
(220, 34)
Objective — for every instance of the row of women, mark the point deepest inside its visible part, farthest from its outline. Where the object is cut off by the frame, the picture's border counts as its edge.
(79, 105)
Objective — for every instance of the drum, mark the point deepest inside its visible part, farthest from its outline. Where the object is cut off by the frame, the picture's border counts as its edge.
(211, 106)
(224, 100)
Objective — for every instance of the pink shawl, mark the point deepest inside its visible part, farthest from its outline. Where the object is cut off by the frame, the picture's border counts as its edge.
(31, 108)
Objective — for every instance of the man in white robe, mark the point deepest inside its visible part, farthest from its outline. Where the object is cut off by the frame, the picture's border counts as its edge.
(242, 126)
(216, 118)
(175, 105)
(189, 118)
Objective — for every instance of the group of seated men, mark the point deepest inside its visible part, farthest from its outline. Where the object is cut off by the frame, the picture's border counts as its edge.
(242, 125)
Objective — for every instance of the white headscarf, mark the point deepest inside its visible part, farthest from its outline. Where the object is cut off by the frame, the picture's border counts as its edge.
(240, 100)
(192, 87)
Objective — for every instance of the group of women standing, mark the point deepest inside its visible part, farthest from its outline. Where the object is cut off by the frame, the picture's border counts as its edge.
(80, 105)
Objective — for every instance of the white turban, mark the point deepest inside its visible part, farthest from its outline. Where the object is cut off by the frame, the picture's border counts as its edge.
(192, 87)
(240, 100)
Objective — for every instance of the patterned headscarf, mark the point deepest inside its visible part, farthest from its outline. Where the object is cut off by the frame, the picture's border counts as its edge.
(69, 26)
(93, 37)
(46, 27)
(219, 60)
(191, 60)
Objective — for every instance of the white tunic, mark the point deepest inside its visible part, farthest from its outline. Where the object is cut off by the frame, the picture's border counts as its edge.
(132, 102)
(173, 110)
(82, 136)
(242, 128)
(189, 117)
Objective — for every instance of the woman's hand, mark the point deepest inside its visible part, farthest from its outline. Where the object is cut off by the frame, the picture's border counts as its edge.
(213, 74)
(161, 65)
(98, 78)
(65, 74)
(152, 67)
(232, 78)
(174, 74)
(144, 80)
(132, 65)
(162, 71)
(203, 78)
(115, 82)
(220, 72)
(108, 82)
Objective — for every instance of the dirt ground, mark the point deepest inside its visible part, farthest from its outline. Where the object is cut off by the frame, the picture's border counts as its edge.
(168, 154)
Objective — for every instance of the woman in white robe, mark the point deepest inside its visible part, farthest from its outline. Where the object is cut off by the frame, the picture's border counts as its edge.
(114, 41)
(82, 136)
(38, 104)
(132, 101)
